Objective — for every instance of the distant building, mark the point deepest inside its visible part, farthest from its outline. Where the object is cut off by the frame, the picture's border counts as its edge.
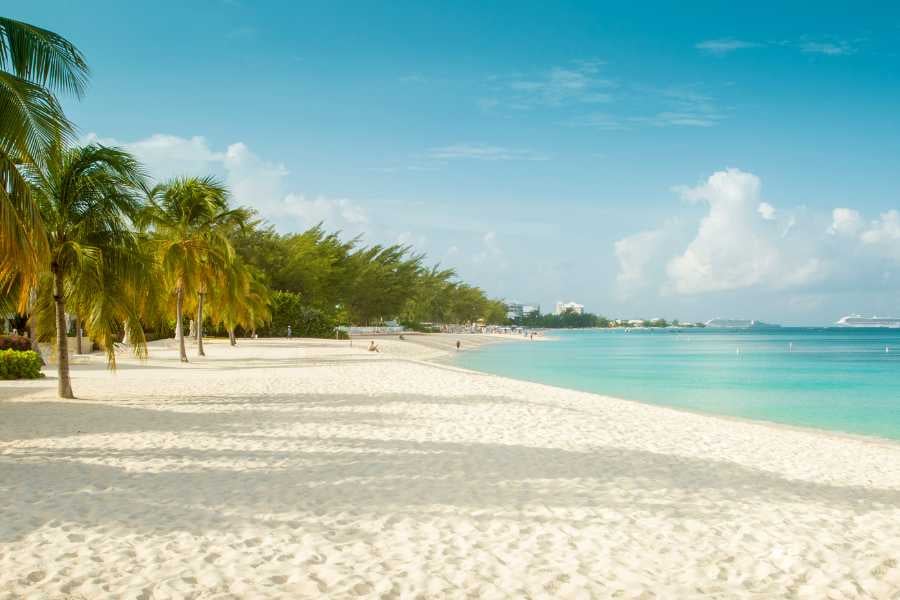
(517, 310)
(564, 307)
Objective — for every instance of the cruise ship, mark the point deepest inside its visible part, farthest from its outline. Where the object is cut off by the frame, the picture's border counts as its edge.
(740, 324)
(861, 321)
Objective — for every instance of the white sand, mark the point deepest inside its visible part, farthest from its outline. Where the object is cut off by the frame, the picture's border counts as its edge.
(309, 469)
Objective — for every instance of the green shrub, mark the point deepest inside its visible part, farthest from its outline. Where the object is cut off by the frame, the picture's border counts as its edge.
(15, 364)
(288, 309)
(15, 342)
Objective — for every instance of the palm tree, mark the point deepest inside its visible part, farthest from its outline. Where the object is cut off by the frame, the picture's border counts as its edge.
(87, 198)
(34, 63)
(241, 299)
(190, 221)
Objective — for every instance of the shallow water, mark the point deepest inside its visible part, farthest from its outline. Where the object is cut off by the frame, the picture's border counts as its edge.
(837, 379)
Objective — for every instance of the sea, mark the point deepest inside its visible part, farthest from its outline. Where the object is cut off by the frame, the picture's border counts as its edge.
(839, 379)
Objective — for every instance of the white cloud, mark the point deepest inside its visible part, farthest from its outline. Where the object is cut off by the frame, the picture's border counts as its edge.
(766, 211)
(883, 235)
(744, 242)
(575, 83)
(737, 245)
(827, 48)
(724, 46)
(168, 156)
(477, 151)
(845, 221)
(637, 254)
(253, 182)
(336, 213)
(883, 230)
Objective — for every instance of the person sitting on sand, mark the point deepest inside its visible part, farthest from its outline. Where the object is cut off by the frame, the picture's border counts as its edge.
(373, 347)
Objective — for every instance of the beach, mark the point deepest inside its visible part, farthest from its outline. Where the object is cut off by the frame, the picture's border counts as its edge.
(312, 468)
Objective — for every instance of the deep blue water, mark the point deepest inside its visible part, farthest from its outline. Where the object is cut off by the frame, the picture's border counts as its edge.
(838, 379)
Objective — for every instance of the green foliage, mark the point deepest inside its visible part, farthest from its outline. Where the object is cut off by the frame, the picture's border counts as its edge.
(88, 197)
(348, 282)
(17, 364)
(566, 320)
(287, 308)
(34, 65)
(15, 342)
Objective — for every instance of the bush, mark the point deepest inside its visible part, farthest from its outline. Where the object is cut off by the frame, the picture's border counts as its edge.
(15, 364)
(15, 342)
(288, 309)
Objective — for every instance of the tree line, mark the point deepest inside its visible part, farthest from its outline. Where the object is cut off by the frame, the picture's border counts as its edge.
(566, 320)
(88, 242)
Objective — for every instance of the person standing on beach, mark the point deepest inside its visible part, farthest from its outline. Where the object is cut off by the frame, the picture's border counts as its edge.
(457, 345)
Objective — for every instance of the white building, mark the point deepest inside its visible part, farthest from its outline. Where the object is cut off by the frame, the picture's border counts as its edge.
(517, 310)
(563, 307)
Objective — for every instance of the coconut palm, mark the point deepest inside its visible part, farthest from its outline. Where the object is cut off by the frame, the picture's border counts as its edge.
(34, 63)
(190, 220)
(240, 300)
(87, 197)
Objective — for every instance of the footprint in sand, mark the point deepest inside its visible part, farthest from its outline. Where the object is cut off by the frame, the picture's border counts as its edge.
(36, 576)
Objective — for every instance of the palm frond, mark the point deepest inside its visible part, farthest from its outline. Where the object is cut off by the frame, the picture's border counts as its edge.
(43, 57)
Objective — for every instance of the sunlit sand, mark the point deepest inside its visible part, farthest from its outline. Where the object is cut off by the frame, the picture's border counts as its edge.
(307, 468)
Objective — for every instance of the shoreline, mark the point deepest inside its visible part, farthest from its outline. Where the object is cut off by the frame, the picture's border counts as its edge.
(306, 468)
(777, 424)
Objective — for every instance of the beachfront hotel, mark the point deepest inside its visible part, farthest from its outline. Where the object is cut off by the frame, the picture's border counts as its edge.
(564, 307)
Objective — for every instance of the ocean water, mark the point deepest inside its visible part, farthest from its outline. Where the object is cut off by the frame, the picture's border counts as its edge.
(837, 379)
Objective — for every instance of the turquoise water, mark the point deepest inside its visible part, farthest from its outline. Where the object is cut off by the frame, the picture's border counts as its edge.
(838, 379)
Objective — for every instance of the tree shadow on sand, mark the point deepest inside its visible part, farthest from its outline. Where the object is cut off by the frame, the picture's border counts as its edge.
(264, 459)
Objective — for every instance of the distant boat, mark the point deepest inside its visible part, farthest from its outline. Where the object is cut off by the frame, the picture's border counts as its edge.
(861, 321)
(740, 324)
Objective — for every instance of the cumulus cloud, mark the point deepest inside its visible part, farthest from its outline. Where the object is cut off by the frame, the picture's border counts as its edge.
(738, 243)
(845, 222)
(642, 257)
(253, 181)
(743, 241)
(766, 211)
(885, 230)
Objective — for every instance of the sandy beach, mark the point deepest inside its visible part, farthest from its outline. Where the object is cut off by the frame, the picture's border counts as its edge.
(309, 468)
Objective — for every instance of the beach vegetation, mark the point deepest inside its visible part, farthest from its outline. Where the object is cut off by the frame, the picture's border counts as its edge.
(87, 197)
(188, 221)
(566, 320)
(18, 364)
(88, 244)
(35, 65)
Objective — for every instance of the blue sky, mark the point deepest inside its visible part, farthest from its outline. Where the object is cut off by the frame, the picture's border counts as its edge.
(642, 160)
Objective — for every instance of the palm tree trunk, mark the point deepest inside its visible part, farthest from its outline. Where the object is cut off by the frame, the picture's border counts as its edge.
(231, 338)
(78, 349)
(200, 325)
(179, 330)
(65, 383)
(126, 339)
